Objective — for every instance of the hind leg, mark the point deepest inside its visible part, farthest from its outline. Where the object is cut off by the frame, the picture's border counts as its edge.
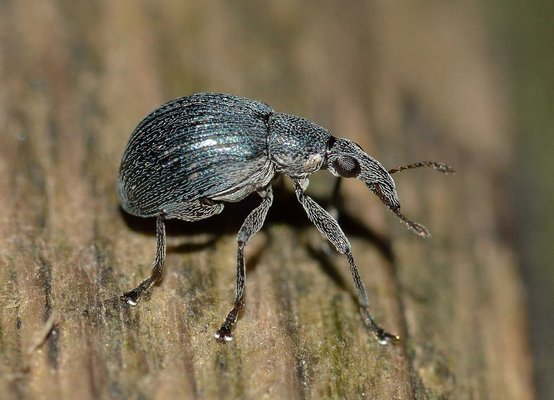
(193, 211)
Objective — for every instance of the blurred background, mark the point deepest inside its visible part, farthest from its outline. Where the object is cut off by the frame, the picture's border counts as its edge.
(522, 42)
(469, 83)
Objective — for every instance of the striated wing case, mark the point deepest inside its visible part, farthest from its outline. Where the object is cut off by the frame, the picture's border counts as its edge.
(203, 146)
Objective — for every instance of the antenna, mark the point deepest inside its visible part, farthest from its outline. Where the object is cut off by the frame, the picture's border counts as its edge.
(445, 169)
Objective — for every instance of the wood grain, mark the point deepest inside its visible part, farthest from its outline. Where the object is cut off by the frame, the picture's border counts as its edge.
(407, 83)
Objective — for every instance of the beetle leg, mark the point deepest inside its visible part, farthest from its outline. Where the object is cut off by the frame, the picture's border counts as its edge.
(133, 296)
(330, 228)
(252, 224)
(192, 211)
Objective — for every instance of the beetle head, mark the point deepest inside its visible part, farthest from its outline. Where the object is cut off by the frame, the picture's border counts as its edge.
(347, 159)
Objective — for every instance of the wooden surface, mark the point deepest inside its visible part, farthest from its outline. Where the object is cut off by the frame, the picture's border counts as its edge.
(407, 82)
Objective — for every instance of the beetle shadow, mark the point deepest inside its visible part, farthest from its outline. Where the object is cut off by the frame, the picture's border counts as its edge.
(324, 252)
(285, 210)
(324, 256)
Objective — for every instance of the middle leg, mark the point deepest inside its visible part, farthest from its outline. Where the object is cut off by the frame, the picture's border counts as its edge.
(252, 224)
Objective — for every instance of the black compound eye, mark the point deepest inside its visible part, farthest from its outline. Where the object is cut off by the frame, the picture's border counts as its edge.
(347, 166)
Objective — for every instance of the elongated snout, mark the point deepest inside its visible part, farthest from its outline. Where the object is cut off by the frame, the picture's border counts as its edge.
(347, 159)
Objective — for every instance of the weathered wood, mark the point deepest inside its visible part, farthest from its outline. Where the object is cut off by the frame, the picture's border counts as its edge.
(406, 83)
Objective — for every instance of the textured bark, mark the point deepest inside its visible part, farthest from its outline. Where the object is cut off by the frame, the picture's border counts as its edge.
(407, 82)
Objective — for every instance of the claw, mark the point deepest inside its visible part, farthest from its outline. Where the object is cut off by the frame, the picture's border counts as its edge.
(385, 338)
(224, 334)
(131, 297)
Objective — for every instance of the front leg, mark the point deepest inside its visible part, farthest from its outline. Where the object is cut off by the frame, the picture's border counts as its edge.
(330, 228)
(252, 224)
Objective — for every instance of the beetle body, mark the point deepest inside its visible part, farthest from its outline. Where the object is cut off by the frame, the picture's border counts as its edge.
(193, 154)
(216, 147)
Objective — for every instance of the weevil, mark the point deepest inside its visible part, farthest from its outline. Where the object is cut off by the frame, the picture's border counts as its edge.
(192, 155)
